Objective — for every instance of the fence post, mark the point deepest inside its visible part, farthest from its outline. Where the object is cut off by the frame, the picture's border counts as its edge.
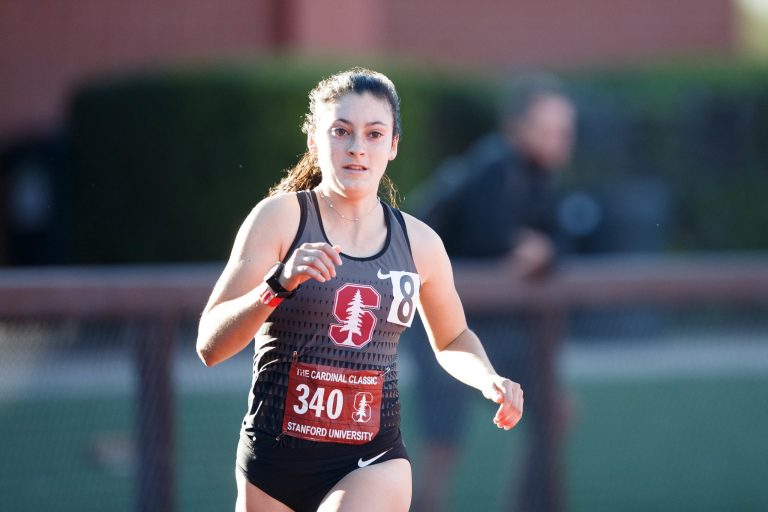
(542, 489)
(155, 409)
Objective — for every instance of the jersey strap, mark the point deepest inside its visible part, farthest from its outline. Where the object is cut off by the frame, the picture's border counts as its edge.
(401, 220)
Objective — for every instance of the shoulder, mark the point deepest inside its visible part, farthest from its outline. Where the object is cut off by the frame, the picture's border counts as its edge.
(426, 245)
(274, 221)
(418, 230)
(277, 206)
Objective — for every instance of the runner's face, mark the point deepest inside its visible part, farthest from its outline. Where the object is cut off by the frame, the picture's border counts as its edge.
(354, 140)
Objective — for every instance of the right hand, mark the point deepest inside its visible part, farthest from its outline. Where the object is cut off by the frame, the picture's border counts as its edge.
(311, 261)
(534, 253)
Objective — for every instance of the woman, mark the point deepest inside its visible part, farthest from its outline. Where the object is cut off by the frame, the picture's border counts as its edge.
(328, 276)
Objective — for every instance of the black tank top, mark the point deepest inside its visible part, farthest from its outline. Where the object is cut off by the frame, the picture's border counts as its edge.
(352, 321)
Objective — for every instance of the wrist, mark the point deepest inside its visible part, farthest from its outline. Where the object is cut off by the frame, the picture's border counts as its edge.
(287, 284)
(490, 380)
(276, 280)
(273, 289)
(493, 387)
(267, 295)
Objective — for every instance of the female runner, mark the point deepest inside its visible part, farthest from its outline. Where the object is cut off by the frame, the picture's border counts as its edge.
(327, 276)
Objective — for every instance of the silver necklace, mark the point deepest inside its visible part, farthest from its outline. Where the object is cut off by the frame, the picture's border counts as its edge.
(355, 219)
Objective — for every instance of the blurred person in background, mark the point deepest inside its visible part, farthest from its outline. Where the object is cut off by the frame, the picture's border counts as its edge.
(496, 203)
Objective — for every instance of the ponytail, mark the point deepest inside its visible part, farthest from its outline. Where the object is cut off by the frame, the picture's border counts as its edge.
(305, 175)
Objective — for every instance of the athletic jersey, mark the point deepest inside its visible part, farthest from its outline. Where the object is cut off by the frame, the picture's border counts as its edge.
(352, 322)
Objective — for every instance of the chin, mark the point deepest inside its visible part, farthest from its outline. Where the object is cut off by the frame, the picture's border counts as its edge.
(358, 183)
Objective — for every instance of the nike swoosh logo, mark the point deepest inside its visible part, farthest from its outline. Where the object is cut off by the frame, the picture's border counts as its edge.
(362, 463)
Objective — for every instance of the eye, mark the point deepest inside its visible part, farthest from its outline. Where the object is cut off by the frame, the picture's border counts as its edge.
(338, 131)
(375, 134)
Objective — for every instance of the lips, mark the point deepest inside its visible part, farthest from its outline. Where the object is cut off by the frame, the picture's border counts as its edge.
(355, 167)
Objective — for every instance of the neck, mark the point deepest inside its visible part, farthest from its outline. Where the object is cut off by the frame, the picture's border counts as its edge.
(358, 231)
(346, 207)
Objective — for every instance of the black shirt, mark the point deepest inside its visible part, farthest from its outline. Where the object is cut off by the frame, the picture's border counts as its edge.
(479, 203)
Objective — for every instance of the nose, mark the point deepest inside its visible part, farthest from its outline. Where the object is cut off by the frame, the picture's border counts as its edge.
(356, 146)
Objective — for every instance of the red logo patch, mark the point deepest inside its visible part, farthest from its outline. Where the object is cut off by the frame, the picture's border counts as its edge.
(352, 308)
(362, 405)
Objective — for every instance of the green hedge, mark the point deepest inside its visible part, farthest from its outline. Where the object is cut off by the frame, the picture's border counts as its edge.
(168, 163)
(701, 128)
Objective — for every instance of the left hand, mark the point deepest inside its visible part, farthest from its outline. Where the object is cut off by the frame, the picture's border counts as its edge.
(510, 397)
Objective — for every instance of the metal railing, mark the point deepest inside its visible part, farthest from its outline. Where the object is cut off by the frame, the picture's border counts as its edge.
(162, 295)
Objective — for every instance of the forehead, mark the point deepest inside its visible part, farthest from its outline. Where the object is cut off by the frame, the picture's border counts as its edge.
(356, 108)
(551, 108)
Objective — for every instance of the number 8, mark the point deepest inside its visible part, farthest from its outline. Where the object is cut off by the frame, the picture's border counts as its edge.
(405, 308)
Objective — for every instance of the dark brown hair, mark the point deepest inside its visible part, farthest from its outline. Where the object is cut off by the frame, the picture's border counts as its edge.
(306, 175)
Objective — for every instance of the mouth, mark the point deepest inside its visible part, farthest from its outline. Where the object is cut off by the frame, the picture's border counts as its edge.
(355, 167)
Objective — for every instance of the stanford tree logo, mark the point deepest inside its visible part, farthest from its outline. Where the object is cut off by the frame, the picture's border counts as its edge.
(352, 309)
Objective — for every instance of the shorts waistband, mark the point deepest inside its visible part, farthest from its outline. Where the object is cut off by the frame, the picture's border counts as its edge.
(293, 448)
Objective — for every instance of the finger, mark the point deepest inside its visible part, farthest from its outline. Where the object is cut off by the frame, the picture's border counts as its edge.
(503, 411)
(304, 261)
(311, 273)
(318, 246)
(510, 420)
(514, 402)
(321, 261)
(509, 425)
(334, 253)
(509, 414)
(317, 264)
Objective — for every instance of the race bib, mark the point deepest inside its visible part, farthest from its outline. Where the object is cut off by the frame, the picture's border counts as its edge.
(334, 405)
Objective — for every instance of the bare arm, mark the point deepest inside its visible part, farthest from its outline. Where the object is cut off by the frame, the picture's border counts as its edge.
(458, 349)
(234, 312)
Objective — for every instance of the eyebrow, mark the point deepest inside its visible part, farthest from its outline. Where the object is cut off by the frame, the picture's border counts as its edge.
(342, 120)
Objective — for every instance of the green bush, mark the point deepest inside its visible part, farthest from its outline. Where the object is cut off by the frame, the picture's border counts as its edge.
(166, 164)
(700, 128)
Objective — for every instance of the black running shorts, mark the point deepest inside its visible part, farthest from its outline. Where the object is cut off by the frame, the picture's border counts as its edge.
(301, 477)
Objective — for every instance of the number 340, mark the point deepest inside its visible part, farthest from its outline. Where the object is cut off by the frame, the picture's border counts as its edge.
(332, 405)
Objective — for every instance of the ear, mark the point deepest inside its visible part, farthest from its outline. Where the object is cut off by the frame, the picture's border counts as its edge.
(393, 151)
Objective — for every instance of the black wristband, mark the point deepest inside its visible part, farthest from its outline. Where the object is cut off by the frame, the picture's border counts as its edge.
(272, 278)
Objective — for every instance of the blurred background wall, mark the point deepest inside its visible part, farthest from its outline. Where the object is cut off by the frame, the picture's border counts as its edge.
(50, 47)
